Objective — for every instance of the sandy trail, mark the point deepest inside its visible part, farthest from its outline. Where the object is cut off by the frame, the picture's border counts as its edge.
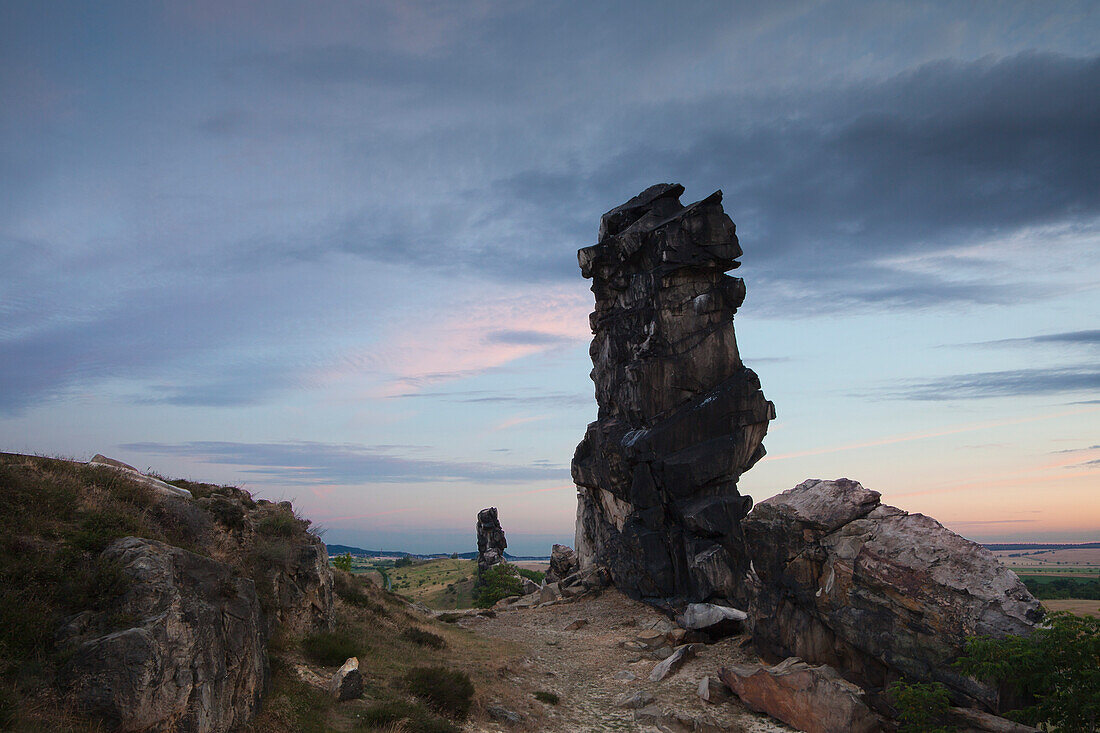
(590, 669)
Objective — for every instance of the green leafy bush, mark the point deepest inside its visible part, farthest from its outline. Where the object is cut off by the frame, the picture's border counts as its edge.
(535, 575)
(922, 707)
(331, 648)
(403, 562)
(499, 581)
(342, 562)
(447, 691)
(423, 638)
(1057, 667)
(547, 697)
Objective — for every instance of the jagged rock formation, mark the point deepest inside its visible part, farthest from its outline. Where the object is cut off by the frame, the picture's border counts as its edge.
(563, 563)
(193, 658)
(847, 581)
(490, 540)
(680, 416)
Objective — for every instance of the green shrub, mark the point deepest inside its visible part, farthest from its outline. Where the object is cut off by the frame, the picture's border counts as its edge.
(1056, 668)
(331, 648)
(403, 562)
(499, 581)
(922, 707)
(423, 638)
(446, 691)
(342, 562)
(535, 575)
(279, 523)
(99, 529)
(416, 719)
(547, 697)
(449, 618)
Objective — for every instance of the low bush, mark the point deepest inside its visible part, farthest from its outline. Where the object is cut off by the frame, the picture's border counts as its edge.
(423, 638)
(922, 707)
(449, 692)
(411, 717)
(331, 648)
(449, 618)
(278, 523)
(342, 562)
(547, 697)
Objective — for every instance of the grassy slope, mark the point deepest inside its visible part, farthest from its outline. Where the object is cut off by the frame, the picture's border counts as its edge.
(442, 584)
(59, 515)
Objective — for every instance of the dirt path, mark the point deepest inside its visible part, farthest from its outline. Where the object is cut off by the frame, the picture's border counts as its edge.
(591, 668)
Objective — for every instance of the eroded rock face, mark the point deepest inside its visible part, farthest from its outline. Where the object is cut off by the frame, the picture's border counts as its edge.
(680, 416)
(847, 581)
(490, 540)
(815, 699)
(192, 657)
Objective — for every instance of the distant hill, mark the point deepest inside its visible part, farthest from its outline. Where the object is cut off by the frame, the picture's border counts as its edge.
(334, 549)
(1041, 546)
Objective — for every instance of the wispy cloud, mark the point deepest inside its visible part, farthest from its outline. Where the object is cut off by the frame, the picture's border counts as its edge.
(347, 464)
(1011, 383)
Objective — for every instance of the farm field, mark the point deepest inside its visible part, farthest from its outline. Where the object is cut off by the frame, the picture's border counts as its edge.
(1079, 607)
(443, 583)
(1067, 558)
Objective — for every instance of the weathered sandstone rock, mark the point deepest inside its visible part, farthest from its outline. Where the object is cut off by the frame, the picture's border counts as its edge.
(347, 683)
(563, 563)
(680, 416)
(192, 657)
(847, 581)
(713, 690)
(811, 699)
(490, 540)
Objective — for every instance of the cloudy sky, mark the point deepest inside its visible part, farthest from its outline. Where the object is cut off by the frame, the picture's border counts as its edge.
(328, 251)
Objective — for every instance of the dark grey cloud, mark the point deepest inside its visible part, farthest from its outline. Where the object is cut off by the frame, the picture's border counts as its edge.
(309, 463)
(826, 184)
(1011, 383)
(1078, 450)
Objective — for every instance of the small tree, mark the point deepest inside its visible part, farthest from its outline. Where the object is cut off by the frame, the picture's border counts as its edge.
(499, 581)
(1057, 667)
(922, 707)
(342, 562)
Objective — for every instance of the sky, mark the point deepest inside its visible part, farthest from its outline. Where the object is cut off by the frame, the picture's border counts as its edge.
(327, 251)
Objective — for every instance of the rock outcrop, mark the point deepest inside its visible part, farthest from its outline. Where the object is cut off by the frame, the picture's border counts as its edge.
(845, 580)
(191, 656)
(680, 416)
(815, 699)
(490, 540)
(563, 563)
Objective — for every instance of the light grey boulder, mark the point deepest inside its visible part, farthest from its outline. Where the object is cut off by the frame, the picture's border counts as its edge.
(549, 592)
(529, 586)
(137, 476)
(703, 616)
(347, 683)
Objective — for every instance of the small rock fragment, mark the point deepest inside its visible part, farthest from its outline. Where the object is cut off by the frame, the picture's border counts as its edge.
(712, 689)
(347, 683)
(670, 665)
(626, 676)
(503, 715)
(635, 700)
(578, 624)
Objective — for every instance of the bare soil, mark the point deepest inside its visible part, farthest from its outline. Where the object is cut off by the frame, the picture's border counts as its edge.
(590, 669)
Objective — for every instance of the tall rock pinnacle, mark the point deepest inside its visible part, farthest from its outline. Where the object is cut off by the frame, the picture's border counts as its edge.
(680, 417)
